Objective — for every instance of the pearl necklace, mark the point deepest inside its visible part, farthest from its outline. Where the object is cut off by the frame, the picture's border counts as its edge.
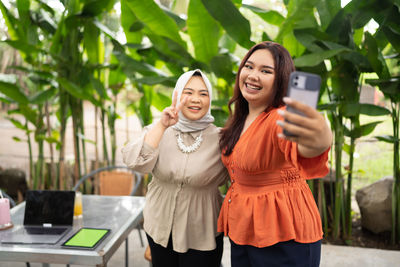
(191, 148)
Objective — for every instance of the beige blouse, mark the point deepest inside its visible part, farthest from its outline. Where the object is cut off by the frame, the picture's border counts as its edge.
(183, 196)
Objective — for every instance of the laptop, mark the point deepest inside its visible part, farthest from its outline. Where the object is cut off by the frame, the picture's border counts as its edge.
(49, 215)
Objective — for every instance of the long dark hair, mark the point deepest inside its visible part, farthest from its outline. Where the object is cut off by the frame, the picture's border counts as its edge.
(284, 65)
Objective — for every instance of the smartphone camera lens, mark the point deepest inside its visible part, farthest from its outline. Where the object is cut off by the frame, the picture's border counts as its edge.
(295, 83)
(297, 77)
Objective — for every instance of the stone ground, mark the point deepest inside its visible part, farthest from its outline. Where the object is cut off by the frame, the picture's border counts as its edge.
(15, 154)
(332, 256)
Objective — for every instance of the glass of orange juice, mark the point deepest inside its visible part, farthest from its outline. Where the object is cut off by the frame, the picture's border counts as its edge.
(78, 205)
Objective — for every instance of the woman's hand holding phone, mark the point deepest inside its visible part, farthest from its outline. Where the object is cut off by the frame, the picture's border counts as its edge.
(310, 131)
(302, 123)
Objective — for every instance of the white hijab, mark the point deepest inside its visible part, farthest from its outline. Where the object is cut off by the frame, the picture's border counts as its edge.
(184, 124)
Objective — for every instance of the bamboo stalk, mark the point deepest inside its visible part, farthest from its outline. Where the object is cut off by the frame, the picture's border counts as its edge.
(126, 120)
(31, 175)
(342, 228)
(311, 185)
(40, 143)
(397, 168)
(61, 165)
(398, 210)
(82, 129)
(347, 209)
(394, 212)
(40, 164)
(324, 208)
(75, 130)
(52, 169)
(396, 174)
(339, 181)
(112, 132)
(105, 150)
(63, 115)
(96, 138)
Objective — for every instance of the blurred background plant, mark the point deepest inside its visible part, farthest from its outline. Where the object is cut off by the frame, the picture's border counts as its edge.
(127, 54)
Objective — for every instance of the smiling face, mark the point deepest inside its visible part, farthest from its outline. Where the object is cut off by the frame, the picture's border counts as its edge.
(256, 80)
(198, 101)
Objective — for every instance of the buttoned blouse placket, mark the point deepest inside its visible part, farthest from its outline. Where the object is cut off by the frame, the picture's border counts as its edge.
(180, 174)
(232, 174)
(231, 171)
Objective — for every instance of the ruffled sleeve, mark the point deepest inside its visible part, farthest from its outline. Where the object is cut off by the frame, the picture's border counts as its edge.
(140, 156)
(311, 168)
(316, 167)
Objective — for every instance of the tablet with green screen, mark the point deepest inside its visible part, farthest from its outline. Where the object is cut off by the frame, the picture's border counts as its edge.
(86, 238)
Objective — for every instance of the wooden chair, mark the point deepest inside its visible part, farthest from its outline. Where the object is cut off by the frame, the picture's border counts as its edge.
(116, 181)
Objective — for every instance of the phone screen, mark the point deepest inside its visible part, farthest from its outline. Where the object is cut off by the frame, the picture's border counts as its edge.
(304, 96)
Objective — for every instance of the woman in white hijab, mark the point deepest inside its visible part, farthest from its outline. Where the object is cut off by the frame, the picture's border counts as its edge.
(183, 201)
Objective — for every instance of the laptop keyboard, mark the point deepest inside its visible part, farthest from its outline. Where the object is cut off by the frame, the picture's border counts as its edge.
(44, 231)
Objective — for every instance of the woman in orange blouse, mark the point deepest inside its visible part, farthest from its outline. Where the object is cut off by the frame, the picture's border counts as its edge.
(269, 212)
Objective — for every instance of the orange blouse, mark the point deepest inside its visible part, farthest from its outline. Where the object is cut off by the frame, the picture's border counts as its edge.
(269, 200)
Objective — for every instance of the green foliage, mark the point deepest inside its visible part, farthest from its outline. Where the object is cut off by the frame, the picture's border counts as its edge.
(43, 96)
(155, 18)
(315, 59)
(353, 109)
(12, 91)
(76, 55)
(272, 17)
(203, 30)
(237, 26)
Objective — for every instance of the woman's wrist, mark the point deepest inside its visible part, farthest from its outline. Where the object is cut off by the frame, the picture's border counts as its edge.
(307, 152)
(154, 135)
(161, 125)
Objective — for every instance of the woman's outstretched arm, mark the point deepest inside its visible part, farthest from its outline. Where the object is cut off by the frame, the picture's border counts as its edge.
(311, 132)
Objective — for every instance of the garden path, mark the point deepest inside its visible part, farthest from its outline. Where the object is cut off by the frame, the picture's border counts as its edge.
(332, 256)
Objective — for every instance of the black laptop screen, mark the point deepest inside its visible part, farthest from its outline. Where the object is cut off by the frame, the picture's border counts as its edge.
(50, 207)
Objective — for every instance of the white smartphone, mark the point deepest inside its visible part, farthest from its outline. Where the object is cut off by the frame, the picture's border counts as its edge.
(303, 87)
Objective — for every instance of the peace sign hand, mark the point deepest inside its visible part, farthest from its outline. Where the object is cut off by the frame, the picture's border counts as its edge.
(169, 116)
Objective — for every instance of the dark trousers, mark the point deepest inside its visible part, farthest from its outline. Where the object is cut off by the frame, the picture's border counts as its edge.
(167, 257)
(282, 254)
